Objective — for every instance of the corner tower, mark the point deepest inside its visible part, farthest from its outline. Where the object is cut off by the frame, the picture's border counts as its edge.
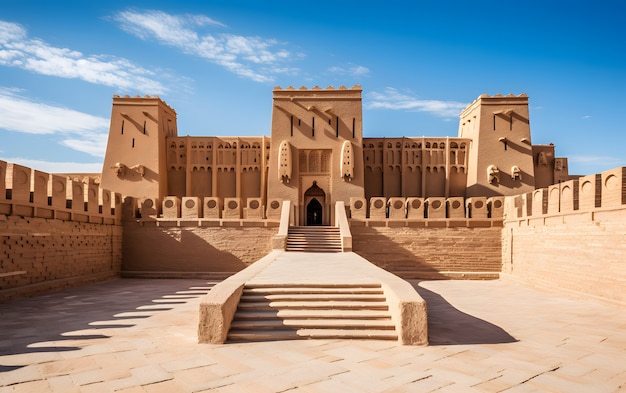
(135, 160)
(500, 157)
(316, 157)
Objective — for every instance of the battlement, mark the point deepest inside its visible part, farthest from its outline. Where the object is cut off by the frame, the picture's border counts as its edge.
(582, 198)
(31, 193)
(317, 88)
(139, 100)
(432, 212)
(497, 99)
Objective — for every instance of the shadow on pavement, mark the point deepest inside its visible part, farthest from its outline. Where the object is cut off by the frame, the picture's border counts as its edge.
(448, 325)
(65, 320)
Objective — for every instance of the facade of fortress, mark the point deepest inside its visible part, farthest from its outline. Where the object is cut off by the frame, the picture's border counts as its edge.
(485, 204)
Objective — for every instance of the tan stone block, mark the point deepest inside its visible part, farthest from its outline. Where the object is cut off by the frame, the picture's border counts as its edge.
(254, 209)
(39, 187)
(614, 187)
(274, 207)
(232, 208)
(75, 192)
(436, 207)
(415, 208)
(149, 207)
(105, 202)
(18, 181)
(397, 208)
(540, 202)
(191, 208)
(378, 208)
(456, 207)
(496, 206)
(212, 207)
(91, 197)
(57, 189)
(554, 199)
(171, 207)
(358, 208)
(589, 193)
(476, 207)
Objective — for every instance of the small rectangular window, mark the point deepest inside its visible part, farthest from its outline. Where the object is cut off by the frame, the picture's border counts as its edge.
(313, 126)
(337, 127)
(122, 127)
(144, 126)
(291, 125)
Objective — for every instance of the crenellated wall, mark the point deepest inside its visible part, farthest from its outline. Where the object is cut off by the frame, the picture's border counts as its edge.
(430, 237)
(55, 232)
(196, 237)
(570, 236)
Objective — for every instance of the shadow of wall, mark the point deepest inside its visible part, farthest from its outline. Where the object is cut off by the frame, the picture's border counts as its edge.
(431, 252)
(193, 249)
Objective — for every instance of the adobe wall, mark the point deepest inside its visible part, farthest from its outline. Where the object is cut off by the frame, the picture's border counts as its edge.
(54, 232)
(570, 236)
(194, 237)
(430, 238)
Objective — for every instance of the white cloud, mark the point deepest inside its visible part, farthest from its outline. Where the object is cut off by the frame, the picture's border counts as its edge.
(83, 132)
(251, 57)
(393, 99)
(18, 50)
(56, 167)
(351, 69)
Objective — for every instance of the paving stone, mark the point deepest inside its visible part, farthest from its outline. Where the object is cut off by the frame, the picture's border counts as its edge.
(560, 343)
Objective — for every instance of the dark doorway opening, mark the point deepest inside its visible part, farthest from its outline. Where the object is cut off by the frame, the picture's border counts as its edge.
(314, 212)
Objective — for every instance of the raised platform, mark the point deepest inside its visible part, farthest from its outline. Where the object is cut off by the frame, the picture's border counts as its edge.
(334, 290)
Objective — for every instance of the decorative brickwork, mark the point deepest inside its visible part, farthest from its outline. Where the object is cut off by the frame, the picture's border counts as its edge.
(55, 232)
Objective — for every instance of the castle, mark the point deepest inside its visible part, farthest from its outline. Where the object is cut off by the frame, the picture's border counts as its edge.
(317, 155)
(485, 204)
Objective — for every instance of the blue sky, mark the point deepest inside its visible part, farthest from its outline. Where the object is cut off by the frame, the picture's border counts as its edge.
(216, 63)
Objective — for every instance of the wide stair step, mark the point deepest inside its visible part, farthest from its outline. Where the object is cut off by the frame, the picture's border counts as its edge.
(314, 239)
(278, 312)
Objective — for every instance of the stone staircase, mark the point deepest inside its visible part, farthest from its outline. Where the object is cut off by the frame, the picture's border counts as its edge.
(314, 239)
(285, 312)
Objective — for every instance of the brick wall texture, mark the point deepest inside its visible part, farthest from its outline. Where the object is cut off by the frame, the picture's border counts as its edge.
(39, 255)
(193, 248)
(461, 252)
(582, 252)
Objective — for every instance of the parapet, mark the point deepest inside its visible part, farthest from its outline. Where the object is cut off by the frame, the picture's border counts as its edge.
(139, 100)
(497, 99)
(427, 212)
(587, 194)
(207, 211)
(32, 193)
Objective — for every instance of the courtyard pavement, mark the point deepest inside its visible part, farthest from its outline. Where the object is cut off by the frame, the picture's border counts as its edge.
(134, 335)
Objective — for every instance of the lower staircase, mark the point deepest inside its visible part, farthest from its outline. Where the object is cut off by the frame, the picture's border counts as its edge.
(275, 312)
(314, 239)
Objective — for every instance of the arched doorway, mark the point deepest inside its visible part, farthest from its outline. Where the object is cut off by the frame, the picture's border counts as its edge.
(314, 213)
(314, 201)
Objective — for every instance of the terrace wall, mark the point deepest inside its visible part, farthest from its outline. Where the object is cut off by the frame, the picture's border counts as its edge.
(196, 237)
(430, 238)
(55, 232)
(570, 236)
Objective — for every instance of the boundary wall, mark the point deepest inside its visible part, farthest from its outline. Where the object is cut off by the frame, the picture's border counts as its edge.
(55, 232)
(206, 237)
(430, 238)
(570, 236)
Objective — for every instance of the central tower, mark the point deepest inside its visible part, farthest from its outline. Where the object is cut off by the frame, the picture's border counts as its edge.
(316, 157)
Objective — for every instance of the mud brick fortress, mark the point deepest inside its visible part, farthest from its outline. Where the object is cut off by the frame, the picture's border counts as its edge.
(482, 205)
